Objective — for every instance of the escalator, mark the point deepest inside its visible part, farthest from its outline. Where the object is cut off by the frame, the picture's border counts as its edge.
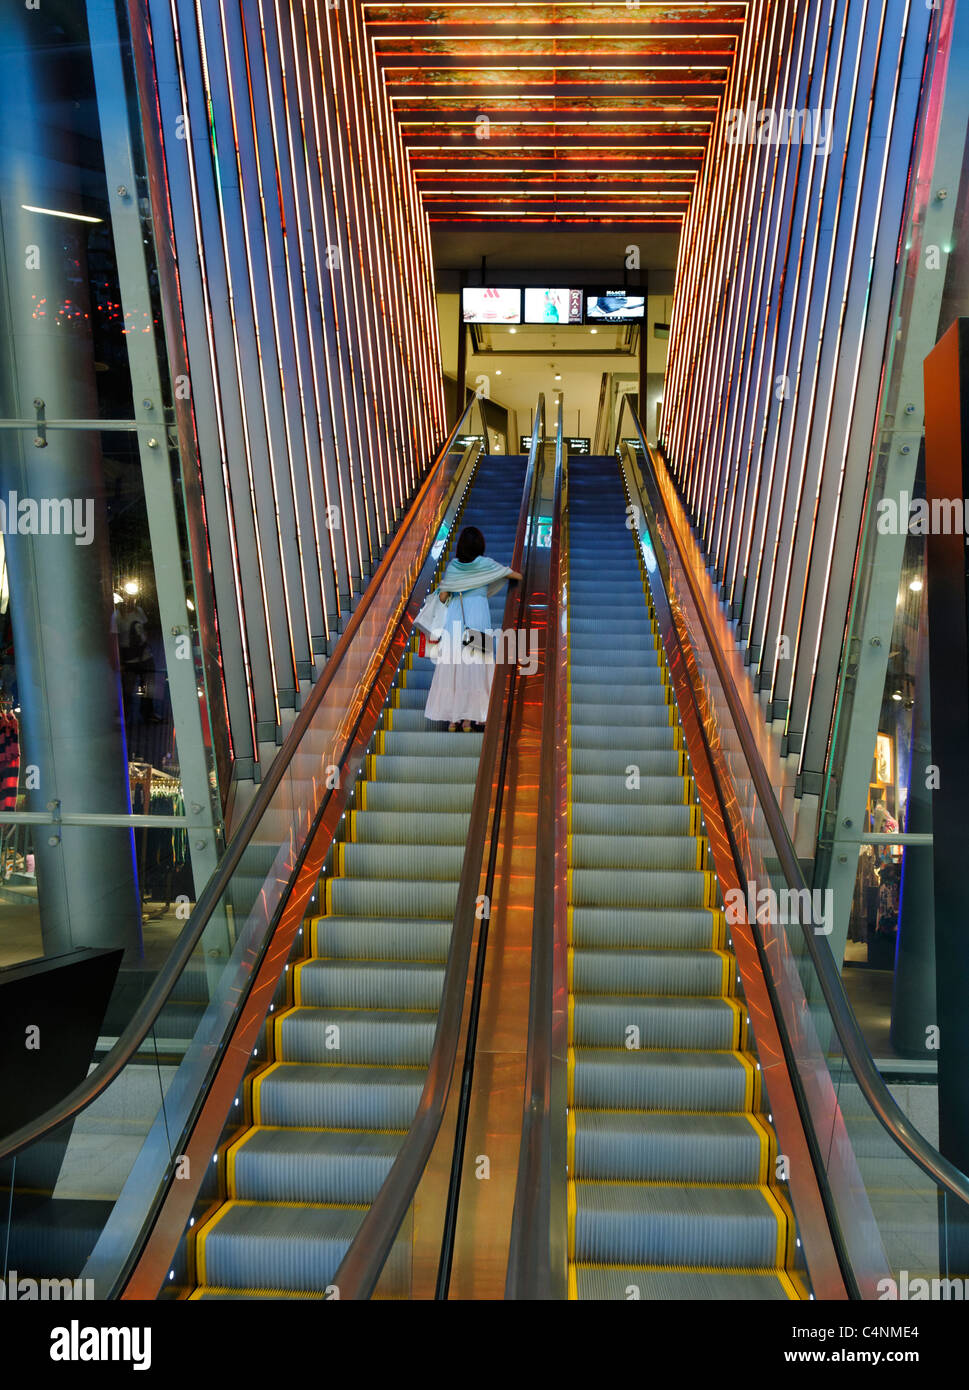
(670, 1155)
(329, 1109)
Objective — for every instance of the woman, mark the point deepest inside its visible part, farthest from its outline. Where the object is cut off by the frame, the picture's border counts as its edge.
(461, 685)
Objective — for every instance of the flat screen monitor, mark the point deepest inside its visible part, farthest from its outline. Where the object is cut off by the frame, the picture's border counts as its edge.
(489, 304)
(614, 306)
(553, 306)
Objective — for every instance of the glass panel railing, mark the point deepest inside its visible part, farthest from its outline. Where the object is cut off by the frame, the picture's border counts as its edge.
(150, 1089)
(889, 1196)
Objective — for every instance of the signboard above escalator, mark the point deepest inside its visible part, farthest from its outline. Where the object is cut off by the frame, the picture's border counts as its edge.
(576, 444)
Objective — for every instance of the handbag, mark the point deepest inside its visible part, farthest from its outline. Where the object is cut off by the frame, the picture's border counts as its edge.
(432, 619)
(471, 636)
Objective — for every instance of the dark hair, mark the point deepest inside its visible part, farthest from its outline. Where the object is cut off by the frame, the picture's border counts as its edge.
(471, 544)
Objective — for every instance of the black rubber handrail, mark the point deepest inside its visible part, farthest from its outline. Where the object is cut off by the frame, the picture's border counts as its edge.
(529, 1273)
(185, 945)
(855, 1049)
(361, 1267)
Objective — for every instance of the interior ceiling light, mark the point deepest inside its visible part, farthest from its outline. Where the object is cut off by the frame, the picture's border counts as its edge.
(56, 212)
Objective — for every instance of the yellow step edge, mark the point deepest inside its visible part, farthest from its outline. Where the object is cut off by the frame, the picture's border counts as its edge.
(570, 1077)
(719, 927)
(570, 1141)
(572, 1210)
(573, 1294)
(728, 976)
(255, 1091)
(389, 717)
(297, 983)
(568, 919)
(380, 742)
(764, 1138)
(750, 1073)
(570, 966)
(201, 1235)
(230, 1161)
(785, 1227)
(363, 795)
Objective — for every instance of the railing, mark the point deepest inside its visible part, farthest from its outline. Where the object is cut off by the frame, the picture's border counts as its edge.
(238, 913)
(361, 1267)
(839, 1081)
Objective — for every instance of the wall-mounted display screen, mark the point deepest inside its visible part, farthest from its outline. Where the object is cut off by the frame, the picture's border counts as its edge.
(553, 306)
(489, 304)
(614, 306)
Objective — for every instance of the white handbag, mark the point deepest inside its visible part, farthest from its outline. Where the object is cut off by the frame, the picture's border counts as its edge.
(432, 619)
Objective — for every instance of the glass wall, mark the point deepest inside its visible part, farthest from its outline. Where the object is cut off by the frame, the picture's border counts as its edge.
(110, 812)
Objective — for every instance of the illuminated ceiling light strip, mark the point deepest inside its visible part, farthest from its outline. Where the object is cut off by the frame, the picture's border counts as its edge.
(58, 212)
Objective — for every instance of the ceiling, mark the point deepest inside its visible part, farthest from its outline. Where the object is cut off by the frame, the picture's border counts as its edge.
(546, 116)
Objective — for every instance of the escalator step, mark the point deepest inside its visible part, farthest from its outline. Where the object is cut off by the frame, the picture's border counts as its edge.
(430, 828)
(304, 1165)
(606, 1284)
(664, 1079)
(641, 888)
(674, 853)
(665, 972)
(668, 1148)
(367, 984)
(338, 1096)
(363, 938)
(682, 928)
(665, 1224)
(662, 1023)
(370, 1037)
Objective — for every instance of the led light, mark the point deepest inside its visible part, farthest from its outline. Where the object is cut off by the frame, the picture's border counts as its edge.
(896, 695)
(57, 212)
(171, 1274)
(593, 331)
(131, 587)
(190, 605)
(191, 1221)
(916, 586)
(215, 1158)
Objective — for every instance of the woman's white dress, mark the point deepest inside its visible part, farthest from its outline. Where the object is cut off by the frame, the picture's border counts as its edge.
(461, 685)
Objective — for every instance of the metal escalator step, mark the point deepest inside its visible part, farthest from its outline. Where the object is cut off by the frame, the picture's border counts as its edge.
(402, 862)
(646, 852)
(364, 938)
(612, 789)
(724, 1227)
(668, 1148)
(430, 828)
(681, 928)
(639, 888)
(251, 1244)
(590, 818)
(433, 745)
(337, 1096)
(605, 1284)
(347, 897)
(413, 721)
(585, 713)
(368, 984)
(663, 972)
(417, 798)
(306, 1165)
(390, 768)
(657, 736)
(602, 761)
(385, 1036)
(662, 1023)
(596, 685)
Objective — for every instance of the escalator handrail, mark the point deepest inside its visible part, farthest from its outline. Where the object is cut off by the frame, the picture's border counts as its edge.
(853, 1044)
(529, 1274)
(144, 1017)
(361, 1266)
